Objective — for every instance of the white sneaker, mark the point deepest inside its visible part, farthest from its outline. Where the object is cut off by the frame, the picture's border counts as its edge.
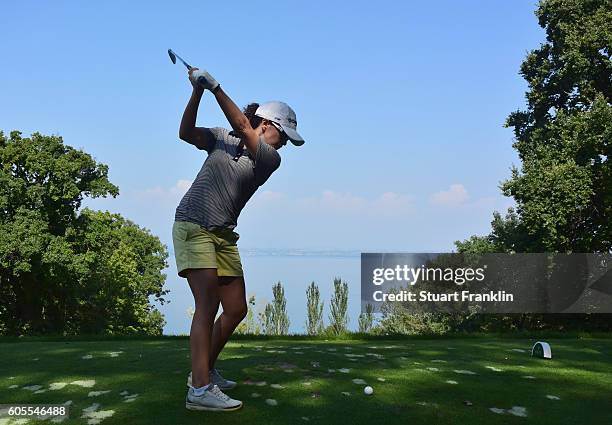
(216, 378)
(213, 399)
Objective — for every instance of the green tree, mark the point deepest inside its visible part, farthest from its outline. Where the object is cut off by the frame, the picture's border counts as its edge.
(563, 138)
(563, 191)
(128, 265)
(314, 310)
(267, 320)
(63, 270)
(366, 319)
(249, 326)
(275, 320)
(338, 316)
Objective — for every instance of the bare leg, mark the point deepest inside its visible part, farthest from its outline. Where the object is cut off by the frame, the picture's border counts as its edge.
(205, 289)
(233, 300)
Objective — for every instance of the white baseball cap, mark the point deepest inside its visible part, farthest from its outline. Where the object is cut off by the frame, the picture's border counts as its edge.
(283, 115)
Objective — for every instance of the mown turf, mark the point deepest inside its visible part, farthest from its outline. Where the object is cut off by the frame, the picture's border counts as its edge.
(580, 374)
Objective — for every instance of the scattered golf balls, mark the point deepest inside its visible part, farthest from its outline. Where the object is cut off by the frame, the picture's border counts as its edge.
(368, 390)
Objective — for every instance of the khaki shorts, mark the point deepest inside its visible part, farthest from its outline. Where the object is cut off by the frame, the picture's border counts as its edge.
(198, 248)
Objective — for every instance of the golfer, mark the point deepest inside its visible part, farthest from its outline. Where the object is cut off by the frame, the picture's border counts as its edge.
(204, 239)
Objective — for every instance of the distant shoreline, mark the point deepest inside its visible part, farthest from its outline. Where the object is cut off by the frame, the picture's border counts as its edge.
(259, 252)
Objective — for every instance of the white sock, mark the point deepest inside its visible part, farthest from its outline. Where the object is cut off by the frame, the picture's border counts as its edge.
(200, 391)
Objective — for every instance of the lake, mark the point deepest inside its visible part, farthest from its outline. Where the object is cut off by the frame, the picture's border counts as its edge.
(295, 269)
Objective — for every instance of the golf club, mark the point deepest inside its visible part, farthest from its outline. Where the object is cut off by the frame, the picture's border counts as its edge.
(173, 57)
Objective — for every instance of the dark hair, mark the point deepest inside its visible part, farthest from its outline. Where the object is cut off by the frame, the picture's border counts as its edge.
(249, 112)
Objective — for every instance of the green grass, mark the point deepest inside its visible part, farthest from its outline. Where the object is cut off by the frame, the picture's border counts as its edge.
(580, 374)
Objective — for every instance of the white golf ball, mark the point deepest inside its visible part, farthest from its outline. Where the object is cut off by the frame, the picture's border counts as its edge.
(368, 390)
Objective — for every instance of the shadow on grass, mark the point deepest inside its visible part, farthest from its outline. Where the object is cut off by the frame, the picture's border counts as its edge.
(353, 336)
(159, 377)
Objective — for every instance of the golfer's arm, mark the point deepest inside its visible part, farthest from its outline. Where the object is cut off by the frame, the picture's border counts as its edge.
(188, 131)
(239, 122)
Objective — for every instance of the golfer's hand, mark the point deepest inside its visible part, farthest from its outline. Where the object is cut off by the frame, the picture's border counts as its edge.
(193, 82)
(202, 79)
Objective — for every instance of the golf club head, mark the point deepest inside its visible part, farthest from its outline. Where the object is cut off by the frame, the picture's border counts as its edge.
(173, 57)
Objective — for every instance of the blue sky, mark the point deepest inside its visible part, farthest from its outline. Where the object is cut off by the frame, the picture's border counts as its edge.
(401, 104)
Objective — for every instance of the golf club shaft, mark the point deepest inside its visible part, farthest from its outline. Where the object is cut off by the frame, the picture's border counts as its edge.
(184, 63)
(180, 58)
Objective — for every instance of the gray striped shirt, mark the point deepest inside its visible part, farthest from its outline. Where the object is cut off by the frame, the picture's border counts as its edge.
(223, 186)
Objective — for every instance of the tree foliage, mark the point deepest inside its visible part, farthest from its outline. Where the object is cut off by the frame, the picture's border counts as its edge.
(249, 326)
(366, 319)
(338, 316)
(563, 138)
(563, 190)
(314, 310)
(275, 320)
(64, 270)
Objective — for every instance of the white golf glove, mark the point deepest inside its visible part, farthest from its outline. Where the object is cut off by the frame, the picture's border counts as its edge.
(204, 79)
